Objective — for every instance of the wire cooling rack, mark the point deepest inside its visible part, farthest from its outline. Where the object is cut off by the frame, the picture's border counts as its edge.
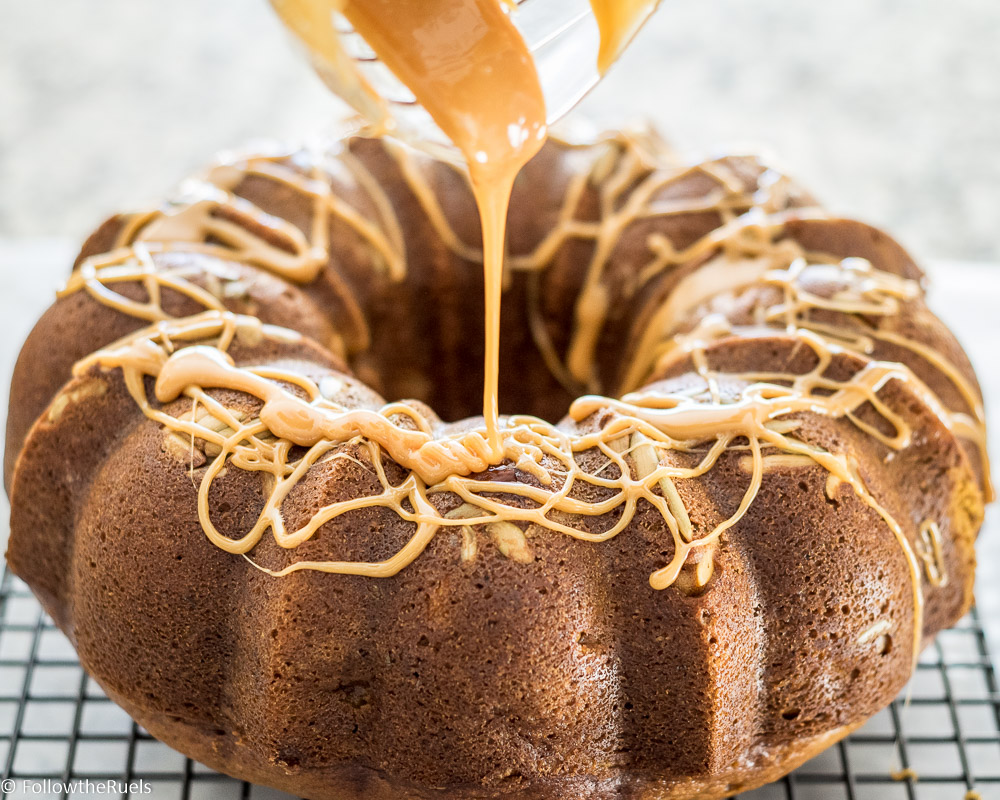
(60, 737)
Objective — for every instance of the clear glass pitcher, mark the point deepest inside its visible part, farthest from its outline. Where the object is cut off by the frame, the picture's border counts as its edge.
(562, 36)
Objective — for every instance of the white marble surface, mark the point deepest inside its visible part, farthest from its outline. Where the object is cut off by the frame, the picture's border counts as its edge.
(887, 109)
(965, 294)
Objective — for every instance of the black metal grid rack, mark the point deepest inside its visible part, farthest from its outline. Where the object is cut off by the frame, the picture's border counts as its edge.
(57, 727)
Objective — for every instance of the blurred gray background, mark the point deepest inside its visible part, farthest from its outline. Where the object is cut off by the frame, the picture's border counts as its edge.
(887, 109)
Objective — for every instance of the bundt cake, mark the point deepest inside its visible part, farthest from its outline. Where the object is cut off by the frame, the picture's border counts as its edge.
(760, 504)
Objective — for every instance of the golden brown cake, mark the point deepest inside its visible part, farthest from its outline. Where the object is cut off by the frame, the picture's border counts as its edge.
(760, 504)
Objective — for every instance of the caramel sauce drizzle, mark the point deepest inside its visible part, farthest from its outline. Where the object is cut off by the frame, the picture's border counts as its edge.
(866, 292)
(210, 218)
(641, 429)
(195, 217)
(652, 422)
(97, 274)
(751, 252)
(627, 172)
